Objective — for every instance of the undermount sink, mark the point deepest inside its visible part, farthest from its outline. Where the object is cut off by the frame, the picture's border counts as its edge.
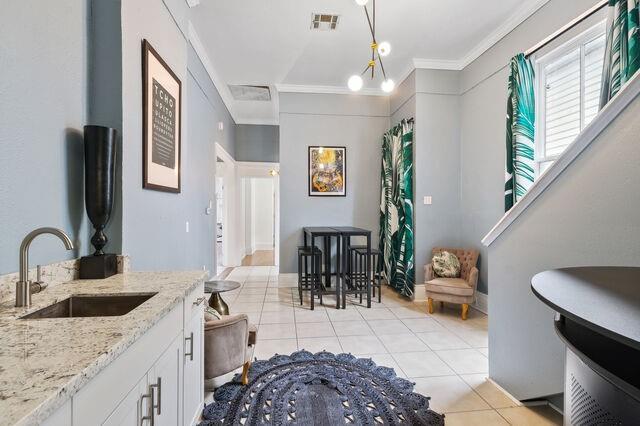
(92, 306)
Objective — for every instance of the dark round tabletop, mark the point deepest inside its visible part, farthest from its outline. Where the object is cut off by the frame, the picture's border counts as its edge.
(220, 286)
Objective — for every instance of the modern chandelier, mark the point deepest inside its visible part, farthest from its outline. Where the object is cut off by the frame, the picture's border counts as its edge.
(378, 51)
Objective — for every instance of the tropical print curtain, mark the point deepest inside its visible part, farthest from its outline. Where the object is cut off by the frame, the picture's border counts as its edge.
(622, 54)
(396, 208)
(521, 111)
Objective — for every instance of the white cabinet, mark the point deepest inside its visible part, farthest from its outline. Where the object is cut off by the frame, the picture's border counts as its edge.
(131, 409)
(165, 381)
(154, 371)
(193, 370)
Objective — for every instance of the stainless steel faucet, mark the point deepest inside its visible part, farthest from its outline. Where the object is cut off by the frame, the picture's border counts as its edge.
(23, 285)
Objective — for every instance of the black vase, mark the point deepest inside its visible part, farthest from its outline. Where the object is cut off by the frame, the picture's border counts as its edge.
(99, 173)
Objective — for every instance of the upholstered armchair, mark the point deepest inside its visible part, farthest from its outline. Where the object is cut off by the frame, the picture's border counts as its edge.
(453, 290)
(228, 345)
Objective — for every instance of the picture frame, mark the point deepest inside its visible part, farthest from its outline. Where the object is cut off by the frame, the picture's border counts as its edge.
(161, 123)
(327, 171)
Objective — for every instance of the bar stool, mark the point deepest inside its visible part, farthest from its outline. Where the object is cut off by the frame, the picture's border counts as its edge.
(376, 269)
(306, 282)
(351, 258)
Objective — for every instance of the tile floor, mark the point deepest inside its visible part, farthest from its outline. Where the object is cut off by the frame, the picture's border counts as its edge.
(445, 356)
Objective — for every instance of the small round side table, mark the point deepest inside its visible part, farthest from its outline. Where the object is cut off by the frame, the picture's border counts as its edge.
(217, 287)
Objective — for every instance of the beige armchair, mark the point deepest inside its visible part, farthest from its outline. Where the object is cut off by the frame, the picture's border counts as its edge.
(453, 290)
(228, 345)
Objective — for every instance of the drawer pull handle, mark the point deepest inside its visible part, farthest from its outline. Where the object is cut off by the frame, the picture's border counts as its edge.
(150, 416)
(199, 301)
(190, 353)
(158, 387)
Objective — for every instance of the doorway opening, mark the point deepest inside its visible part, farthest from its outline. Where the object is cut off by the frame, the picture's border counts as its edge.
(259, 202)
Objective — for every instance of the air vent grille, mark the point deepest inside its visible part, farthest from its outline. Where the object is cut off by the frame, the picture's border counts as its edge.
(585, 410)
(250, 93)
(324, 22)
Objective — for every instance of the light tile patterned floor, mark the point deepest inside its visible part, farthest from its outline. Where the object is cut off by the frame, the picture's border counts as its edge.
(445, 356)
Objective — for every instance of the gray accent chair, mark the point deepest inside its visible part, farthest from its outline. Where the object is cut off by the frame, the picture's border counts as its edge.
(228, 345)
(453, 290)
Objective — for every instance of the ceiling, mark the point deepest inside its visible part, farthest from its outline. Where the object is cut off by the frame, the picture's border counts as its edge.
(269, 42)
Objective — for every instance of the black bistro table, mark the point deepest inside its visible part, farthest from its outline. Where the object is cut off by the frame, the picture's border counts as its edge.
(343, 235)
(311, 233)
(217, 287)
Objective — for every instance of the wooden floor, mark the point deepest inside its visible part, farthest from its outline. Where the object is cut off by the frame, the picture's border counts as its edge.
(260, 258)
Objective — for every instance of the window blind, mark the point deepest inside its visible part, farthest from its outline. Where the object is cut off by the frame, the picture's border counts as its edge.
(562, 102)
(593, 64)
(572, 94)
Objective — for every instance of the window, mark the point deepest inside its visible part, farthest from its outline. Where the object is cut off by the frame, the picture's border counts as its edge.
(569, 81)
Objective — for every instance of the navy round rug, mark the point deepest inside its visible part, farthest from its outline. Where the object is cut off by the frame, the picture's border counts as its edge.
(321, 389)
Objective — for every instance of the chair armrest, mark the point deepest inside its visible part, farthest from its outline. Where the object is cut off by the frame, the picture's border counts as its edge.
(473, 278)
(428, 272)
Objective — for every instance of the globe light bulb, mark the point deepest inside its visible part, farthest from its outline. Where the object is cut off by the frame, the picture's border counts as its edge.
(388, 85)
(355, 83)
(384, 48)
(362, 2)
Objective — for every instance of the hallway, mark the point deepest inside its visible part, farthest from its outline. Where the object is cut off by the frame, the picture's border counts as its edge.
(260, 258)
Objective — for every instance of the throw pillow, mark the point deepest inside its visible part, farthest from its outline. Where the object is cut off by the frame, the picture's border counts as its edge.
(211, 314)
(446, 265)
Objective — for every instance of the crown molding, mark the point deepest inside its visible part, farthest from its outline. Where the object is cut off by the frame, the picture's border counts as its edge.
(437, 64)
(517, 18)
(218, 82)
(332, 90)
(258, 121)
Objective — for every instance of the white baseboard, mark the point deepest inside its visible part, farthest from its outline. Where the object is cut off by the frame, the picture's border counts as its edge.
(264, 246)
(482, 302)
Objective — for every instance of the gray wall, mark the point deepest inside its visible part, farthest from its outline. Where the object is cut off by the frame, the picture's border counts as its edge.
(431, 97)
(154, 223)
(588, 216)
(226, 137)
(259, 143)
(437, 164)
(43, 107)
(558, 230)
(205, 110)
(483, 111)
(357, 122)
(105, 94)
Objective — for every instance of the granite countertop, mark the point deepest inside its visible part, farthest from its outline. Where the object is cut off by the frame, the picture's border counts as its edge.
(44, 362)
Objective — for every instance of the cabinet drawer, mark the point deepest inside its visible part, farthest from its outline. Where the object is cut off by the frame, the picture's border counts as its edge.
(194, 303)
(95, 401)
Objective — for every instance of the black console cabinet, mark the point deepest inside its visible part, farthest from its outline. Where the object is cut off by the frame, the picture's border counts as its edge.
(598, 318)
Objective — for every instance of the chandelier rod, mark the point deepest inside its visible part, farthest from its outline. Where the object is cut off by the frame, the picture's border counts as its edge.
(372, 29)
(371, 26)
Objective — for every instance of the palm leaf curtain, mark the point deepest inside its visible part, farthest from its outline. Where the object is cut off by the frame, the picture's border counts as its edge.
(396, 208)
(520, 171)
(622, 54)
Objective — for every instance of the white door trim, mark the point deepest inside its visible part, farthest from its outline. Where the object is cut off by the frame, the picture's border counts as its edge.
(230, 232)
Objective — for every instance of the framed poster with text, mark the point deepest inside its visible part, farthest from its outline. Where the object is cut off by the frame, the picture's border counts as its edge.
(161, 123)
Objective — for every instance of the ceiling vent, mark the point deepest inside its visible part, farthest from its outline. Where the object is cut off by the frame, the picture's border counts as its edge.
(322, 22)
(250, 93)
